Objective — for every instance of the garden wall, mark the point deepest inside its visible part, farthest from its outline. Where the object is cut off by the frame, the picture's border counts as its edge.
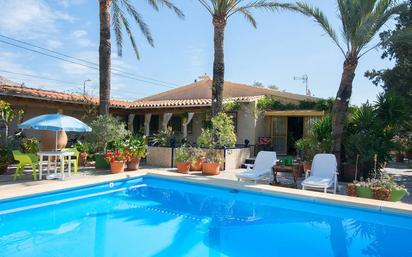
(164, 157)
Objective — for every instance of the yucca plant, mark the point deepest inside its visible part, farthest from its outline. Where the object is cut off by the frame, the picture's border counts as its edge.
(117, 12)
(360, 21)
(221, 11)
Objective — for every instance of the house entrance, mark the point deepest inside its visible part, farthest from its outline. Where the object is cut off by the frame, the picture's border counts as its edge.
(294, 133)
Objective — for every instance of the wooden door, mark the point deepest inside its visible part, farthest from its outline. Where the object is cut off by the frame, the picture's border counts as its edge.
(280, 134)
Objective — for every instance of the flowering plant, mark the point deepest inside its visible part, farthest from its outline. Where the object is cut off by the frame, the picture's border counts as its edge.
(117, 155)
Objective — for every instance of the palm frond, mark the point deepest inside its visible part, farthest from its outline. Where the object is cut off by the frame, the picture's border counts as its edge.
(321, 19)
(139, 20)
(383, 12)
(117, 26)
(248, 16)
(131, 37)
(171, 6)
(153, 4)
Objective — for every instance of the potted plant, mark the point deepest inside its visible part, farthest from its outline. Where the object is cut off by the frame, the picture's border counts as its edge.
(105, 129)
(199, 158)
(363, 189)
(83, 149)
(212, 162)
(397, 192)
(136, 149)
(184, 159)
(117, 160)
(306, 149)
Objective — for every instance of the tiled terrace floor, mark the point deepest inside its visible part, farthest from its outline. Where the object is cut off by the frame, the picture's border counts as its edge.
(402, 174)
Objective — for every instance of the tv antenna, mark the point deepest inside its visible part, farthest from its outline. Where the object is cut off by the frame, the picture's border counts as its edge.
(304, 79)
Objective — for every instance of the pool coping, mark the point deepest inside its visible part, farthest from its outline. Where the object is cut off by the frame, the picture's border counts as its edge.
(313, 196)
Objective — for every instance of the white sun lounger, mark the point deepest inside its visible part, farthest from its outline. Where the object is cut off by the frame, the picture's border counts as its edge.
(323, 173)
(261, 170)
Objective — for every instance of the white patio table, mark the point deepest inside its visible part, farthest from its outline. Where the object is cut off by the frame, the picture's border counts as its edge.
(58, 155)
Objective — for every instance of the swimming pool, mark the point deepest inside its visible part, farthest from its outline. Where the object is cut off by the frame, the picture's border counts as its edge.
(152, 216)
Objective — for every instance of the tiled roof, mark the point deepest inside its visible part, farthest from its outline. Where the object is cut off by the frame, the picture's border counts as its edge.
(50, 95)
(186, 102)
(41, 94)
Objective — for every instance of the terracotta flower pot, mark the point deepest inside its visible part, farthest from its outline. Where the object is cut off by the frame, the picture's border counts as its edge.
(133, 164)
(211, 168)
(307, 166)
(381, 193)
(117, 167)
(197, 166)
(183, 167)
(83, 159)
(351, 191)
(48, 140)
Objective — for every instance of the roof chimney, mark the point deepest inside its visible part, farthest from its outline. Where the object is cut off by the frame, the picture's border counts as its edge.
(204, 77)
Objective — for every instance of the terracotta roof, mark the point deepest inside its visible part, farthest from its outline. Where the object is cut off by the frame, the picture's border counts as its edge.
(202, 89)
(50, 95)
(187, 102)
(193, 95)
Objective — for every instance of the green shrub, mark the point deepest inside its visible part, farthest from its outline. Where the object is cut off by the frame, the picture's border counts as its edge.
(221, 133)
(106, 129)
(136, 146)
(163, 137)
(30, 145)
(213, 156)
(81, 147)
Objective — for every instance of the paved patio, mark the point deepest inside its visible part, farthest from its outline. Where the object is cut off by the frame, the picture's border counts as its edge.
(402, 174)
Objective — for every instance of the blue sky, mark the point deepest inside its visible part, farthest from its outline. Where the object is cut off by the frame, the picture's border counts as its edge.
(284, 45)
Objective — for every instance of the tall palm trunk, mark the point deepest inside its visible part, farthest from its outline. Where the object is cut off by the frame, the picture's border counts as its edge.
(104, 57)
(341, 105)
(219, 24)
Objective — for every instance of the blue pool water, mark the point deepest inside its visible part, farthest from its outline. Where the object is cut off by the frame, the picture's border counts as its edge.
(157, 217)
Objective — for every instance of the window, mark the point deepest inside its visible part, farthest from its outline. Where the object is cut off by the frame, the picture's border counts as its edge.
(176, 123)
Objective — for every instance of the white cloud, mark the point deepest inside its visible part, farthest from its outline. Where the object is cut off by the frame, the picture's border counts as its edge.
(30, 18)
(79, 37)
(53, 44)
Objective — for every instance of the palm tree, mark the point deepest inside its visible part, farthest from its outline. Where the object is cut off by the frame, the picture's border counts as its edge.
(361, 20)
(221, 11)
(118, 9)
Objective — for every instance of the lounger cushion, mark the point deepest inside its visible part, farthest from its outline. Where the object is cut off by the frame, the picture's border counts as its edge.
(252, 174)
(317, 182)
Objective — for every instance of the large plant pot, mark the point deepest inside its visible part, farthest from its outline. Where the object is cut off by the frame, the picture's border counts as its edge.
(211, 168)
(117, 167)
(351, 190)
(197, 166)
(380, 193)
(48, 140)
(83, 159)
(183, 167)
(397, 195)
(364, 192)
(133, 164)
(307, 166)
(100, 162)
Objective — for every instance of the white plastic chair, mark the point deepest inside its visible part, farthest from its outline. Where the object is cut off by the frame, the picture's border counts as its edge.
(261, 170)
(323, 173)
